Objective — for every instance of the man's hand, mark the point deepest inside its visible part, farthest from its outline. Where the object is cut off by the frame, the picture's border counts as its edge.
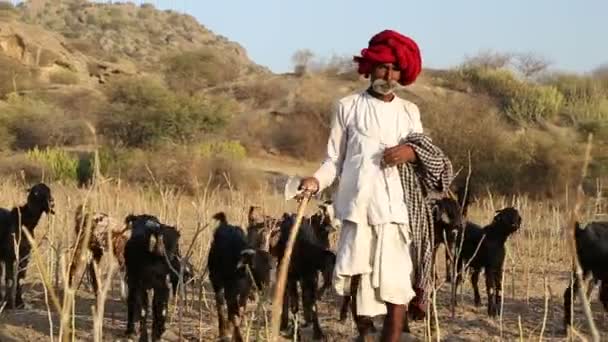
(310, 185)
(416, 309)
(398, 155)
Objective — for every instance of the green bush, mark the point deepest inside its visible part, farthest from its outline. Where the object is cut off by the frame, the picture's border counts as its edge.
(500, 83)
(534, 103)
(143, 113)
(229, 149)
(57, 163)
(518, 99)
(586, 98)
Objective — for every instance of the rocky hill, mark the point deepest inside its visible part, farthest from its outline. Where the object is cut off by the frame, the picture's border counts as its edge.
(97, 40)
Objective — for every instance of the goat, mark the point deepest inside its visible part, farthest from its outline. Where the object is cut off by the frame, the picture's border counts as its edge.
(310, 255)
(99, 243)
(484, 248)
(592, 253)
(15, 248)
(149, 254)
(447, 224)
(229, 262)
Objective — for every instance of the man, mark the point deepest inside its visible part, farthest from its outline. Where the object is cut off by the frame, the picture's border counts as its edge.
(371, 149)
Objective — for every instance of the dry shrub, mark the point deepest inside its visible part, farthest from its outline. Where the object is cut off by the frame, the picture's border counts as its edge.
(192, 71)
(262, 92)
(77, 103)
(14, 74)
(505, 160)
(19, 166)
(35, 123)
(299, 137)
(183, 168)
(64, 77)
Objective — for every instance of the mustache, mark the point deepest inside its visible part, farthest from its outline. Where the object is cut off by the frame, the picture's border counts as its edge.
(385, 87)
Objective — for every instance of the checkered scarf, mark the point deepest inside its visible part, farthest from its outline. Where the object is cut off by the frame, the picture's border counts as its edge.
(431, 173)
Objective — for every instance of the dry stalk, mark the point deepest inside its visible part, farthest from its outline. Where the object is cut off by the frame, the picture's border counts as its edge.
(573, 251)
(546, 308)
(277, 302)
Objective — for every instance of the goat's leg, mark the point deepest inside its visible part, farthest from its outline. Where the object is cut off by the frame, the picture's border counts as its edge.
(219, 306)
(458, 281)
(309, 302)
(159, 312)
(604, 294)
(475, 284)
(491, 287)
(93, 277)
(133, 310)
(143, 319)
(345, 307)
(9, 280)
(590, 281)
(19, 303)
(290, 302)
(568, 299)
(448, 265)
(498, 285)
(234, 317)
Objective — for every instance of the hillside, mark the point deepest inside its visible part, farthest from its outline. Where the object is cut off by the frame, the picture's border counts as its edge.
(165, 93)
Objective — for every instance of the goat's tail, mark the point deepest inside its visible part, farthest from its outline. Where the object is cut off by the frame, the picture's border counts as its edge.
(221, 216)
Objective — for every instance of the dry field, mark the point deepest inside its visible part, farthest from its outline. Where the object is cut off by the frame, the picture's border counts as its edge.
(536, 274)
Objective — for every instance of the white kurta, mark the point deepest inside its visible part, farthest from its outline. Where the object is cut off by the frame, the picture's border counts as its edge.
(374, 239)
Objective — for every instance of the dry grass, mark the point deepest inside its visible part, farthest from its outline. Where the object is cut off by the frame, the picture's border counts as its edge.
(537, 271)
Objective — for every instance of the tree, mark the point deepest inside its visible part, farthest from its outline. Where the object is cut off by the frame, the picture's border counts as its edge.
(489, 59)
(301, 60)
(530, 64)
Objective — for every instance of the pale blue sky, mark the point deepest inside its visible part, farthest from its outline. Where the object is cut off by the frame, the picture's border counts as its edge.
(573, 34)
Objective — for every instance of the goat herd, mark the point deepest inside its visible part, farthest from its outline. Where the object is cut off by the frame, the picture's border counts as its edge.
(240, 261)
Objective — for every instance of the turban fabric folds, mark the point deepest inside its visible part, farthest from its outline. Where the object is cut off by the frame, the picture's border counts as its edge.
(390, 46)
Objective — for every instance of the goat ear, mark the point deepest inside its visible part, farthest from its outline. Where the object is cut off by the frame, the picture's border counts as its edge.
(245, 258)
(445, 218)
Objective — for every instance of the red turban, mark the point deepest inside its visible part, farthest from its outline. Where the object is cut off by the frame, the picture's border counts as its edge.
(392, 47)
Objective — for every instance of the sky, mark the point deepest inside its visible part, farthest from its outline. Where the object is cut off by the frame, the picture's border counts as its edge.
(568, 33)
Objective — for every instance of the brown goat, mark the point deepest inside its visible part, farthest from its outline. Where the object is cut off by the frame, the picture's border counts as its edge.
(98, 245)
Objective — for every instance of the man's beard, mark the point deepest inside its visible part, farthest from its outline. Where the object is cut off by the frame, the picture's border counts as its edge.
(384, 87)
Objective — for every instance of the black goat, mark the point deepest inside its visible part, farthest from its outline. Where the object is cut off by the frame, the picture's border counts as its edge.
(310, 255)
(447, 224)
(592, 252)
(149, 258)
(229, 262)
(39, 201)
(484, 248)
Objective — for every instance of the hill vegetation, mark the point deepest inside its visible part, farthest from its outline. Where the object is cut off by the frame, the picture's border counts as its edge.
(173, 102)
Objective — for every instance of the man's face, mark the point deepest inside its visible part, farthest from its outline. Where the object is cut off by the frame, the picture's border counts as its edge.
(385, 78)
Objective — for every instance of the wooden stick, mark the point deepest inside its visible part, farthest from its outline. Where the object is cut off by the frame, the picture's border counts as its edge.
(279, 291)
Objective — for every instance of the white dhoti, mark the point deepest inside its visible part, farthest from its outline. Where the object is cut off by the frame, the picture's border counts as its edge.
(381, 255)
